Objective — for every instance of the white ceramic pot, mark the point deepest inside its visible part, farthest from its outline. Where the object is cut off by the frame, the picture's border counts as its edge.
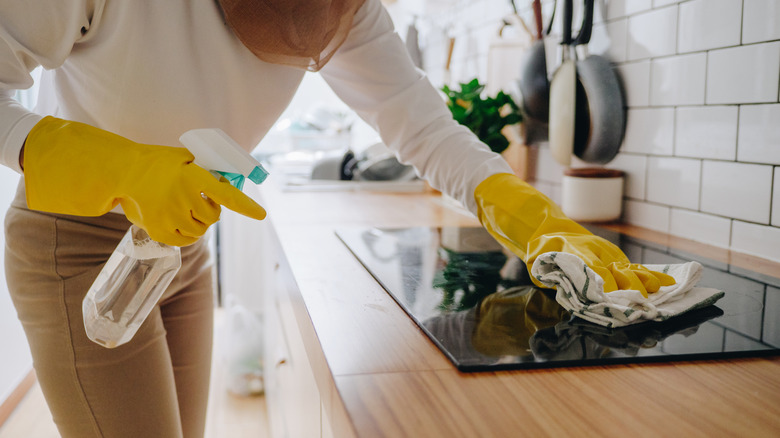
(592, 194)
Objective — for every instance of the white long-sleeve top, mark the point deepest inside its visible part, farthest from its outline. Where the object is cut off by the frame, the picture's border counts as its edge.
(150, 70)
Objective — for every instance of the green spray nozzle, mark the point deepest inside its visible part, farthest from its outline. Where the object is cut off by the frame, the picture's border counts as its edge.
(216, 151)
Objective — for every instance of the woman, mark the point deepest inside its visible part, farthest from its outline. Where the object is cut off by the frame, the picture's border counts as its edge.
(124, 78)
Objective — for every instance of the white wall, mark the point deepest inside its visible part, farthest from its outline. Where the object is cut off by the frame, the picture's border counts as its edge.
(702, 145)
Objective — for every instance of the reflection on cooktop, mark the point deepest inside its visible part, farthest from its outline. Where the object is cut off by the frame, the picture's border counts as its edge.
(475, 301)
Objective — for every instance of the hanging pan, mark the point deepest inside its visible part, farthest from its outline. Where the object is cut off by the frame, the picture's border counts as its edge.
(602, 98)
(563, 91)
(533, 83)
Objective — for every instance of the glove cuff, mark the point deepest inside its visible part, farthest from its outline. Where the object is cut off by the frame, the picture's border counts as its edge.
(64, 169)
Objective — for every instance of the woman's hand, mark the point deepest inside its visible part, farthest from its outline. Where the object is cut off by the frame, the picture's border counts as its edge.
(73, 168)
(530, 224)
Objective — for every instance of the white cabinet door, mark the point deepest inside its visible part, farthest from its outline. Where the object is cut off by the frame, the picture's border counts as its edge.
(292, 396)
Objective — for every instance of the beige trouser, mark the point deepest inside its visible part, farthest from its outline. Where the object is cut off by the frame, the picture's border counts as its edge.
(157, 384)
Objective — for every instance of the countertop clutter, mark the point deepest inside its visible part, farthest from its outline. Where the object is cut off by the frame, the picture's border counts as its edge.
(344, 360)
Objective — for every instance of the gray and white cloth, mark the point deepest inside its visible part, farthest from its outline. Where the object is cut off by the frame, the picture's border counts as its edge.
(581, 291)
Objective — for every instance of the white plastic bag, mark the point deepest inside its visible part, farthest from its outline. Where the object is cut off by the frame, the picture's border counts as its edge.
(242, 354)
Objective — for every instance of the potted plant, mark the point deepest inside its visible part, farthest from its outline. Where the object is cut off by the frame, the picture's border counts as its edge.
(484, 116)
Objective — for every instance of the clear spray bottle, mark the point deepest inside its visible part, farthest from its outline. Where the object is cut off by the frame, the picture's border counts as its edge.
(140, 269)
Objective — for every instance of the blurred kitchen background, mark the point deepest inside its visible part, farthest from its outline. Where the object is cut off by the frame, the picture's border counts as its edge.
(701, 78)
(701, 150)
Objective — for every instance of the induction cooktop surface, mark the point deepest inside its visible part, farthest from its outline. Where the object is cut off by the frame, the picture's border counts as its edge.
(476, 302)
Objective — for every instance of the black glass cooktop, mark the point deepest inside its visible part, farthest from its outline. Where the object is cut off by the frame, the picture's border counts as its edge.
(476, 302)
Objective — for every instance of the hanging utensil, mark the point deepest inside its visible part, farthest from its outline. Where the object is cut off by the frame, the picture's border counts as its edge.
(603, 99)
(537, 7)
(563, 89)
(534, 85)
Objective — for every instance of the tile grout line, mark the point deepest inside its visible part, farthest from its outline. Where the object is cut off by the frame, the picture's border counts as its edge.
(695, 52)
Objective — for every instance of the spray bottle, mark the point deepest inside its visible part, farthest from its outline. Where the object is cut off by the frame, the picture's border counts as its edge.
(140, 269)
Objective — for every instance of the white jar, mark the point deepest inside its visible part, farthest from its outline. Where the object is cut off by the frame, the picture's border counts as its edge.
(592, 194)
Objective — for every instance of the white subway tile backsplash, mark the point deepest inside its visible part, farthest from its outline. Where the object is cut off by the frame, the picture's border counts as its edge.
(701, 81)
(706, 132)
(483, 37)
(674, 181)
(776, 199)
(760, 240)
(547, 169)
(609, 40)
(649, 131)
(555, 194)
(635, 168)
(599, 12)
(745, 74)
(759, 134)
(476, 12)
(737, 190)
(635, 77)
(479, 69)
(700, 227)
(643, 214)
(431, 8)
(659, 3)
(492, 10)
(637, 6)
(709, 24)
(549, 6)
(652, 34)
(761, 21)
(552, 191)
(678, 80)
(622, 8)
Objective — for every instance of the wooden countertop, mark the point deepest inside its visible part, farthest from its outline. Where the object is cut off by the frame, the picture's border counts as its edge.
(380, 376)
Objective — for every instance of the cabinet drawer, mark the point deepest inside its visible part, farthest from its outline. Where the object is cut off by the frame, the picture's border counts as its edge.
(292, 395)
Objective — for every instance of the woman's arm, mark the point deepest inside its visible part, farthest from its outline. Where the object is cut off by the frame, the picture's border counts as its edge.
(373, 74)
(32, 34)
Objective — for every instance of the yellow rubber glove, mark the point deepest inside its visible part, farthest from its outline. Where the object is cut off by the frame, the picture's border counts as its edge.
(530, 224)
(74, 168)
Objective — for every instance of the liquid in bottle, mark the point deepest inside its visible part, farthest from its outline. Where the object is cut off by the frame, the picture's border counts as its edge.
(128, 287)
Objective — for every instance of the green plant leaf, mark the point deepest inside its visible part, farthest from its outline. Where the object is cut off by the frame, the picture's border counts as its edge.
(483, 115)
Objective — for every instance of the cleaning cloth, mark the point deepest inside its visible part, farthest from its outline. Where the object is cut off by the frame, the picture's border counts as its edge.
(581, 291)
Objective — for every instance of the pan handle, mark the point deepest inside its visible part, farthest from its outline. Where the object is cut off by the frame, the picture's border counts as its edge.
(587, 24)
(537, 5)
(552, 18)
(567, 15)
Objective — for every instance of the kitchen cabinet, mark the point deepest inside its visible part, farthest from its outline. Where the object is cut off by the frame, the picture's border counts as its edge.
(344, 360)
(293, 399)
